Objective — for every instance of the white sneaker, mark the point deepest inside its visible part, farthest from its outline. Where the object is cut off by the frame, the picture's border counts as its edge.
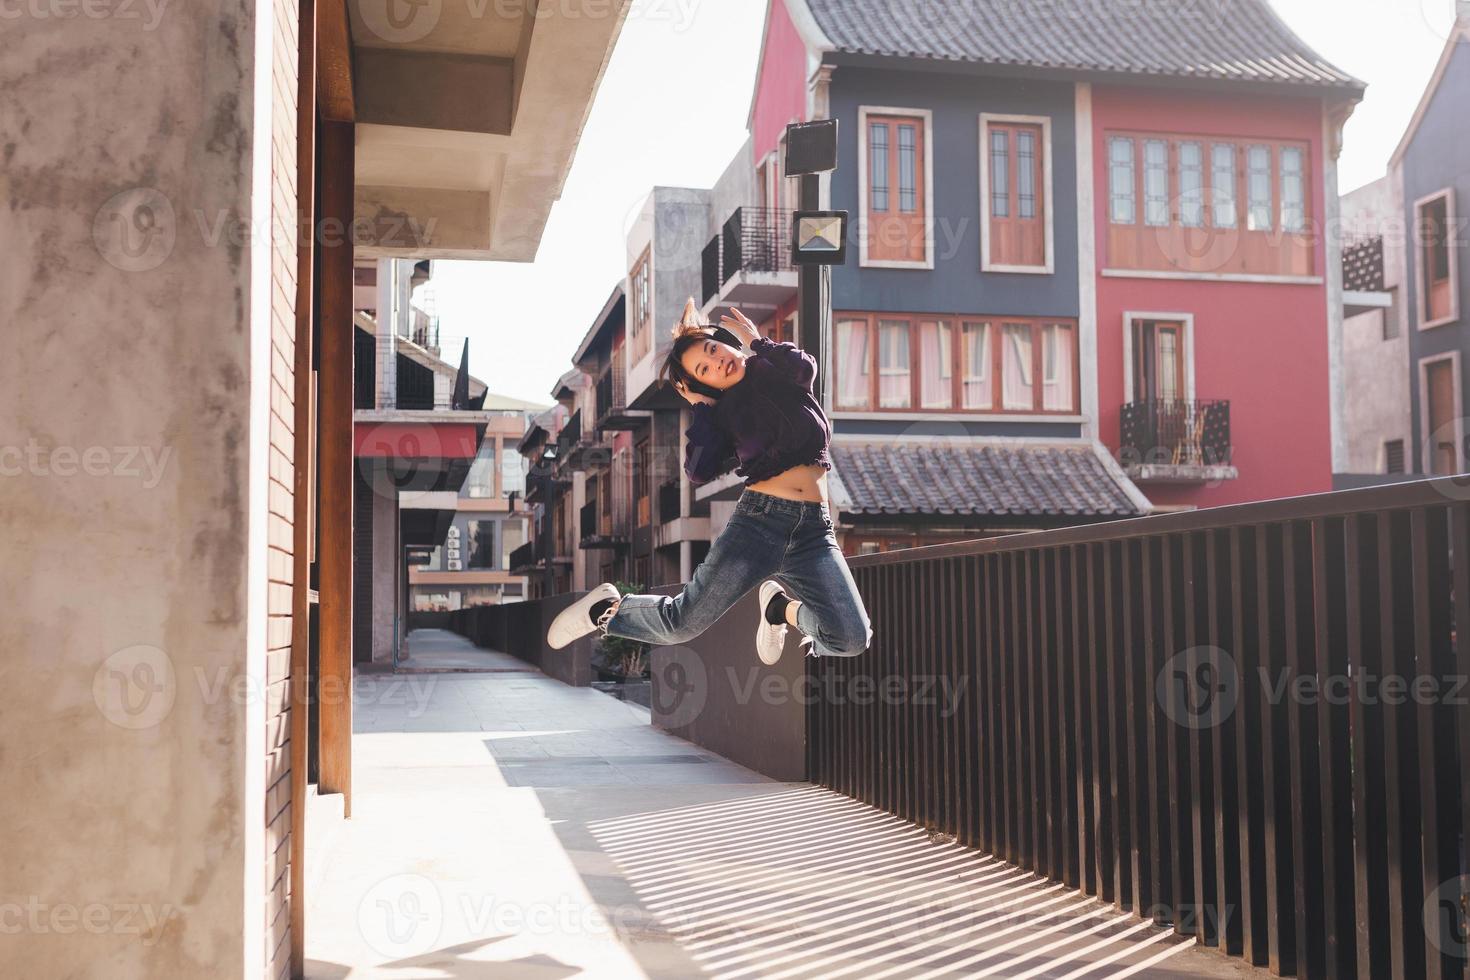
(769, 637)
(575, 621)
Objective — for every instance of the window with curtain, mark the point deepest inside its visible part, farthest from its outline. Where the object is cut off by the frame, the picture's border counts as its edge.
(894, 374)
(976, 390)
(854, 382)
(1000, 174)
(936, 374)
(1120, 181)
(1155, 183)
(1017, 367)
(908, 156)
(1222, 185)
(1293, 190)
(512, 473)
(949, 364)
(1057, 370)
(1191, 185)
(1258, 188)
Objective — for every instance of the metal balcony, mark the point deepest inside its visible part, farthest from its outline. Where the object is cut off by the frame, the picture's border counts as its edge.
(612, 398)
(602, 530)
(1176, 441)
(748, 264)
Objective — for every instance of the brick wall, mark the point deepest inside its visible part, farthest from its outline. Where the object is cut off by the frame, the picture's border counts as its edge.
(282, 454)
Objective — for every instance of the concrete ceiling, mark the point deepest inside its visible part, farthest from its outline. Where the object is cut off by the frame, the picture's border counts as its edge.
(468, 114)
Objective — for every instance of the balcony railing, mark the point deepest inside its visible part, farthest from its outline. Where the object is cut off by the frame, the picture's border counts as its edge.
(1206, 718)
(603, 529)
(524, 558)
(1362, 264)
(752, 240)
(1174, 434)
(612, 397)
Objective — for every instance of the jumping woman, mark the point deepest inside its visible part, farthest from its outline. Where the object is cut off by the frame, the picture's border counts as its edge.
(754, 412)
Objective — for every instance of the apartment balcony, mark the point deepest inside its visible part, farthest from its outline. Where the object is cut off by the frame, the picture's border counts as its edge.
(748, 264)
(524, 559)
(577, 446)
(612, 398)
(603, 530)
(1175, 441)
(1364, 287)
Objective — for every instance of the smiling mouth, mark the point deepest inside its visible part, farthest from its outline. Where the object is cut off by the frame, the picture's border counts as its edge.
(729, 368)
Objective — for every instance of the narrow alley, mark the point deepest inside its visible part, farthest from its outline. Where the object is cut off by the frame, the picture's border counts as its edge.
(508, 826)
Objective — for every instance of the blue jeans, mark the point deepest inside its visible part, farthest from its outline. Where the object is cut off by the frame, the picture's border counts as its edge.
(767, 537)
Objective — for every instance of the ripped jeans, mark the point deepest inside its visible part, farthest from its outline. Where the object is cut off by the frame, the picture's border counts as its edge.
(791, 541)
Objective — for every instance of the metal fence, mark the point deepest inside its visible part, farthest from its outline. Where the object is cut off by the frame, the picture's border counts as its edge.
(1175, 432)
(1249, 722)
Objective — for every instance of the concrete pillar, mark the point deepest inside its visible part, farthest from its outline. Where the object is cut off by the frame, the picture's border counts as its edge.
(385, 575)
(386, 383)
(135, 464)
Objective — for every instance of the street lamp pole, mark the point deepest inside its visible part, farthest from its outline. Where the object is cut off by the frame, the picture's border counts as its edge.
(818, 237)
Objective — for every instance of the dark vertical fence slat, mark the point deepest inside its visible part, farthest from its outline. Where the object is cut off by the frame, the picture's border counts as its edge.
(1334, 735)
(1364, 654)
(1085, 686)
(1066, 664)
(1250, 748)
(1396, 634)
(1097, 628)
(1460, 672)
(1201, 785)
(1276, 773)
(1221, 588)
(1306, 800)
(1176, 598)
(1046, 705)
(1115, 592)
(1433, 667)
(1154, 791)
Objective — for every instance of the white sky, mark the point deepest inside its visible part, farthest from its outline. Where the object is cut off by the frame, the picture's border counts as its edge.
(672, 109)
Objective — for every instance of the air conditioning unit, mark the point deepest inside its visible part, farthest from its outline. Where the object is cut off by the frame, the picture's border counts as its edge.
(455, 564)
(453, 533)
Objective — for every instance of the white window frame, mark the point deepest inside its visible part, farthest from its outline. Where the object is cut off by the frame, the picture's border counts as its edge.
(1424, 434)
(862, 229)
(1417, 266)
(1133, 316)
(1048, 266)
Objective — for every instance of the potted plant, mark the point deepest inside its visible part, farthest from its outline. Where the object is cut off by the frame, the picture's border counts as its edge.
(620, 660)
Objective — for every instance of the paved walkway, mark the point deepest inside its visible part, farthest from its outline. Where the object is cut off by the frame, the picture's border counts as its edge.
(507, 826)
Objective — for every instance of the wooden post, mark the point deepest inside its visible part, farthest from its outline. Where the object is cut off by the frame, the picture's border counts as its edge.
(304, 482)
(334, 552)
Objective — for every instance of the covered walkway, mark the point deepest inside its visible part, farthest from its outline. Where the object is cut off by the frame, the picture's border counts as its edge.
(506, 825)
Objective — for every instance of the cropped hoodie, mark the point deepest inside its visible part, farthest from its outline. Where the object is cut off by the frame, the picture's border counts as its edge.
(764, 424)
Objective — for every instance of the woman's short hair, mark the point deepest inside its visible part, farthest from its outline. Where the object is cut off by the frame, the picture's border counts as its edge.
(691, 330)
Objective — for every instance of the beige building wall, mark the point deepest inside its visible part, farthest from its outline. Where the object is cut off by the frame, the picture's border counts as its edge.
(145, 472)
(1375, 344)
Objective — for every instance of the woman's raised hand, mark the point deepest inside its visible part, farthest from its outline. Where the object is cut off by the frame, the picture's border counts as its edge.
(741, 326)
(693, 398)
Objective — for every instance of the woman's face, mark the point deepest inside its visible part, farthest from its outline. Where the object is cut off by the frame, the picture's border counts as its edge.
(715, 364)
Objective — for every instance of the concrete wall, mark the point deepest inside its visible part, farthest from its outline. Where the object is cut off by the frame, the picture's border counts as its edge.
(1375, 370)
(136, 433)
(1439, 157)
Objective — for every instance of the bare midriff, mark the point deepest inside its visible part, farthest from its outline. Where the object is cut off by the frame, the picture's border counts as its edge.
(798, 483)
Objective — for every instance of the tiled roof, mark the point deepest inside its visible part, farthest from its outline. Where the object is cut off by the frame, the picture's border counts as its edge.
(1238, 40)
(986, 479)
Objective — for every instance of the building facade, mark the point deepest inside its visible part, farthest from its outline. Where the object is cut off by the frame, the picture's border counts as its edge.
(1407, 289)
